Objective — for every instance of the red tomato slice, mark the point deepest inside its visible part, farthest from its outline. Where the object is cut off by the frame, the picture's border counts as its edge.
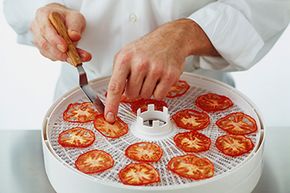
(125, 99)
(76, 137)
(143, 103)
(234, 145)
(212, 102)
(139, 174)
(144, 152)
(115, 130)
(192, 141)
(192, 167)
(237, 123)
(191, 119)
(94, 161)
(80, 112)
(178, 89)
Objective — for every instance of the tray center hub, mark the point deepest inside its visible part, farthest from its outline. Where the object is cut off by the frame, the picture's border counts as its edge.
(152, 124)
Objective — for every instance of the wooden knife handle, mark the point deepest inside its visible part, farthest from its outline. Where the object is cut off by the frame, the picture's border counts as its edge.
(58, 24)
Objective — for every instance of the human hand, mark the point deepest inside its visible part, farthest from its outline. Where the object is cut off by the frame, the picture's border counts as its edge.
(47, 40)
(152, 64)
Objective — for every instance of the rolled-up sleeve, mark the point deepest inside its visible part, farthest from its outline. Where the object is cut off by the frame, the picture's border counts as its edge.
(241, 31)
(20, 13)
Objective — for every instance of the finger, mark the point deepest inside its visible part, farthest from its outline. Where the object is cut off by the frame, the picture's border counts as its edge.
(85, 56)
(49, 51)
(75, 23)
(51, 35)
(165, 84)
(136, 79)
(149, 85)
(115, 90)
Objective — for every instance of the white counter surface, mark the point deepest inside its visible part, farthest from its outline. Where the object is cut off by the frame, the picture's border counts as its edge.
(22, 168)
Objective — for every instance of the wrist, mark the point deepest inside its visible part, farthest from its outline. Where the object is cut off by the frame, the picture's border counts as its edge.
(194, 39)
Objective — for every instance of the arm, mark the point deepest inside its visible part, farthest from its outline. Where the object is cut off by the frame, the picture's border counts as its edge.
(33, 27)
(242, 31)
(227, 35)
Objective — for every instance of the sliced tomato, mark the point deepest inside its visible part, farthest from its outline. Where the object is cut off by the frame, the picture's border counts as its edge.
(94, 161)
(237, 123)
(125, 99)
(192, 141)
(212, 102)
(144, 152)
(139, 174)
(76, 137)
(80, 112)
(143, 103)
(115, 130)
(191, 119)
(191, 166)
(178, 89)
(234, 145)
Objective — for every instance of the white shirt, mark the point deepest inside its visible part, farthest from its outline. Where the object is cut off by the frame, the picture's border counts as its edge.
(242, 31)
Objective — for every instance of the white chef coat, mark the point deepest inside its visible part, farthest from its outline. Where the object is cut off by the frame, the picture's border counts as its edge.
(242, 31)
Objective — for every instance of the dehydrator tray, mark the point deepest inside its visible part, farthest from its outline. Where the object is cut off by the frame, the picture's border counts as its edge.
(198, 85)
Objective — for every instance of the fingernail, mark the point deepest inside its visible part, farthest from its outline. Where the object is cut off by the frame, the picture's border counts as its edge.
(74, 33)
(61, 47)
(110, 117)
(68, 60)
(83, 55)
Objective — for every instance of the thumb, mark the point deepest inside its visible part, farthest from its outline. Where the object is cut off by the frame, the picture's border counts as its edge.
(76, 24)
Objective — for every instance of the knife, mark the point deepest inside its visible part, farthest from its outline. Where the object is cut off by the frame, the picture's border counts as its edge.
(58, 24)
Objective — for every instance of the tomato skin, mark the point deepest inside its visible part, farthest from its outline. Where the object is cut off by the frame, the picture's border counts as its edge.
(237, 123)
(178, 89)
(199, 141)
(227, 140)
(133, 150)
(121, 126)
(71, 112)
(204, 168)
(136, 167)
(107, 159)
(125, 99)
(212, 102)
(79, 131)
(143, 103)
(200, 119)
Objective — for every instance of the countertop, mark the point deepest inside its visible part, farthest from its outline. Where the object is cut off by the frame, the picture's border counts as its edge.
(22, 168)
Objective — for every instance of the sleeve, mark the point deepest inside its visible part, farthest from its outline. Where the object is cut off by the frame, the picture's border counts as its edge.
(242, 31)
(19, 15)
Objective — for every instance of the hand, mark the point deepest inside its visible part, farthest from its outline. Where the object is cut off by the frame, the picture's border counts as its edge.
(152, 64)
(47, 40)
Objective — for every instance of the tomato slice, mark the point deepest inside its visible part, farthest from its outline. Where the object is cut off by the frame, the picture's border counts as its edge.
(139, 174)
(143, 103)
(144, 152)
(80, 112)
(192, 141)
(125, 99)
(191, 166)
(212, 102)
(178, 89)
(94, 161)
(191, 119)
(237, 123)
(115, 130)
(76, 137)
(234, 145)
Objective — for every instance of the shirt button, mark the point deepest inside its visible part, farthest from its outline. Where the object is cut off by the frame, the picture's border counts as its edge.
(133, 17)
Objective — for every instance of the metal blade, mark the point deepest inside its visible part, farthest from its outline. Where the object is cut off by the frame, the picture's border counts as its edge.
(88, 91)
